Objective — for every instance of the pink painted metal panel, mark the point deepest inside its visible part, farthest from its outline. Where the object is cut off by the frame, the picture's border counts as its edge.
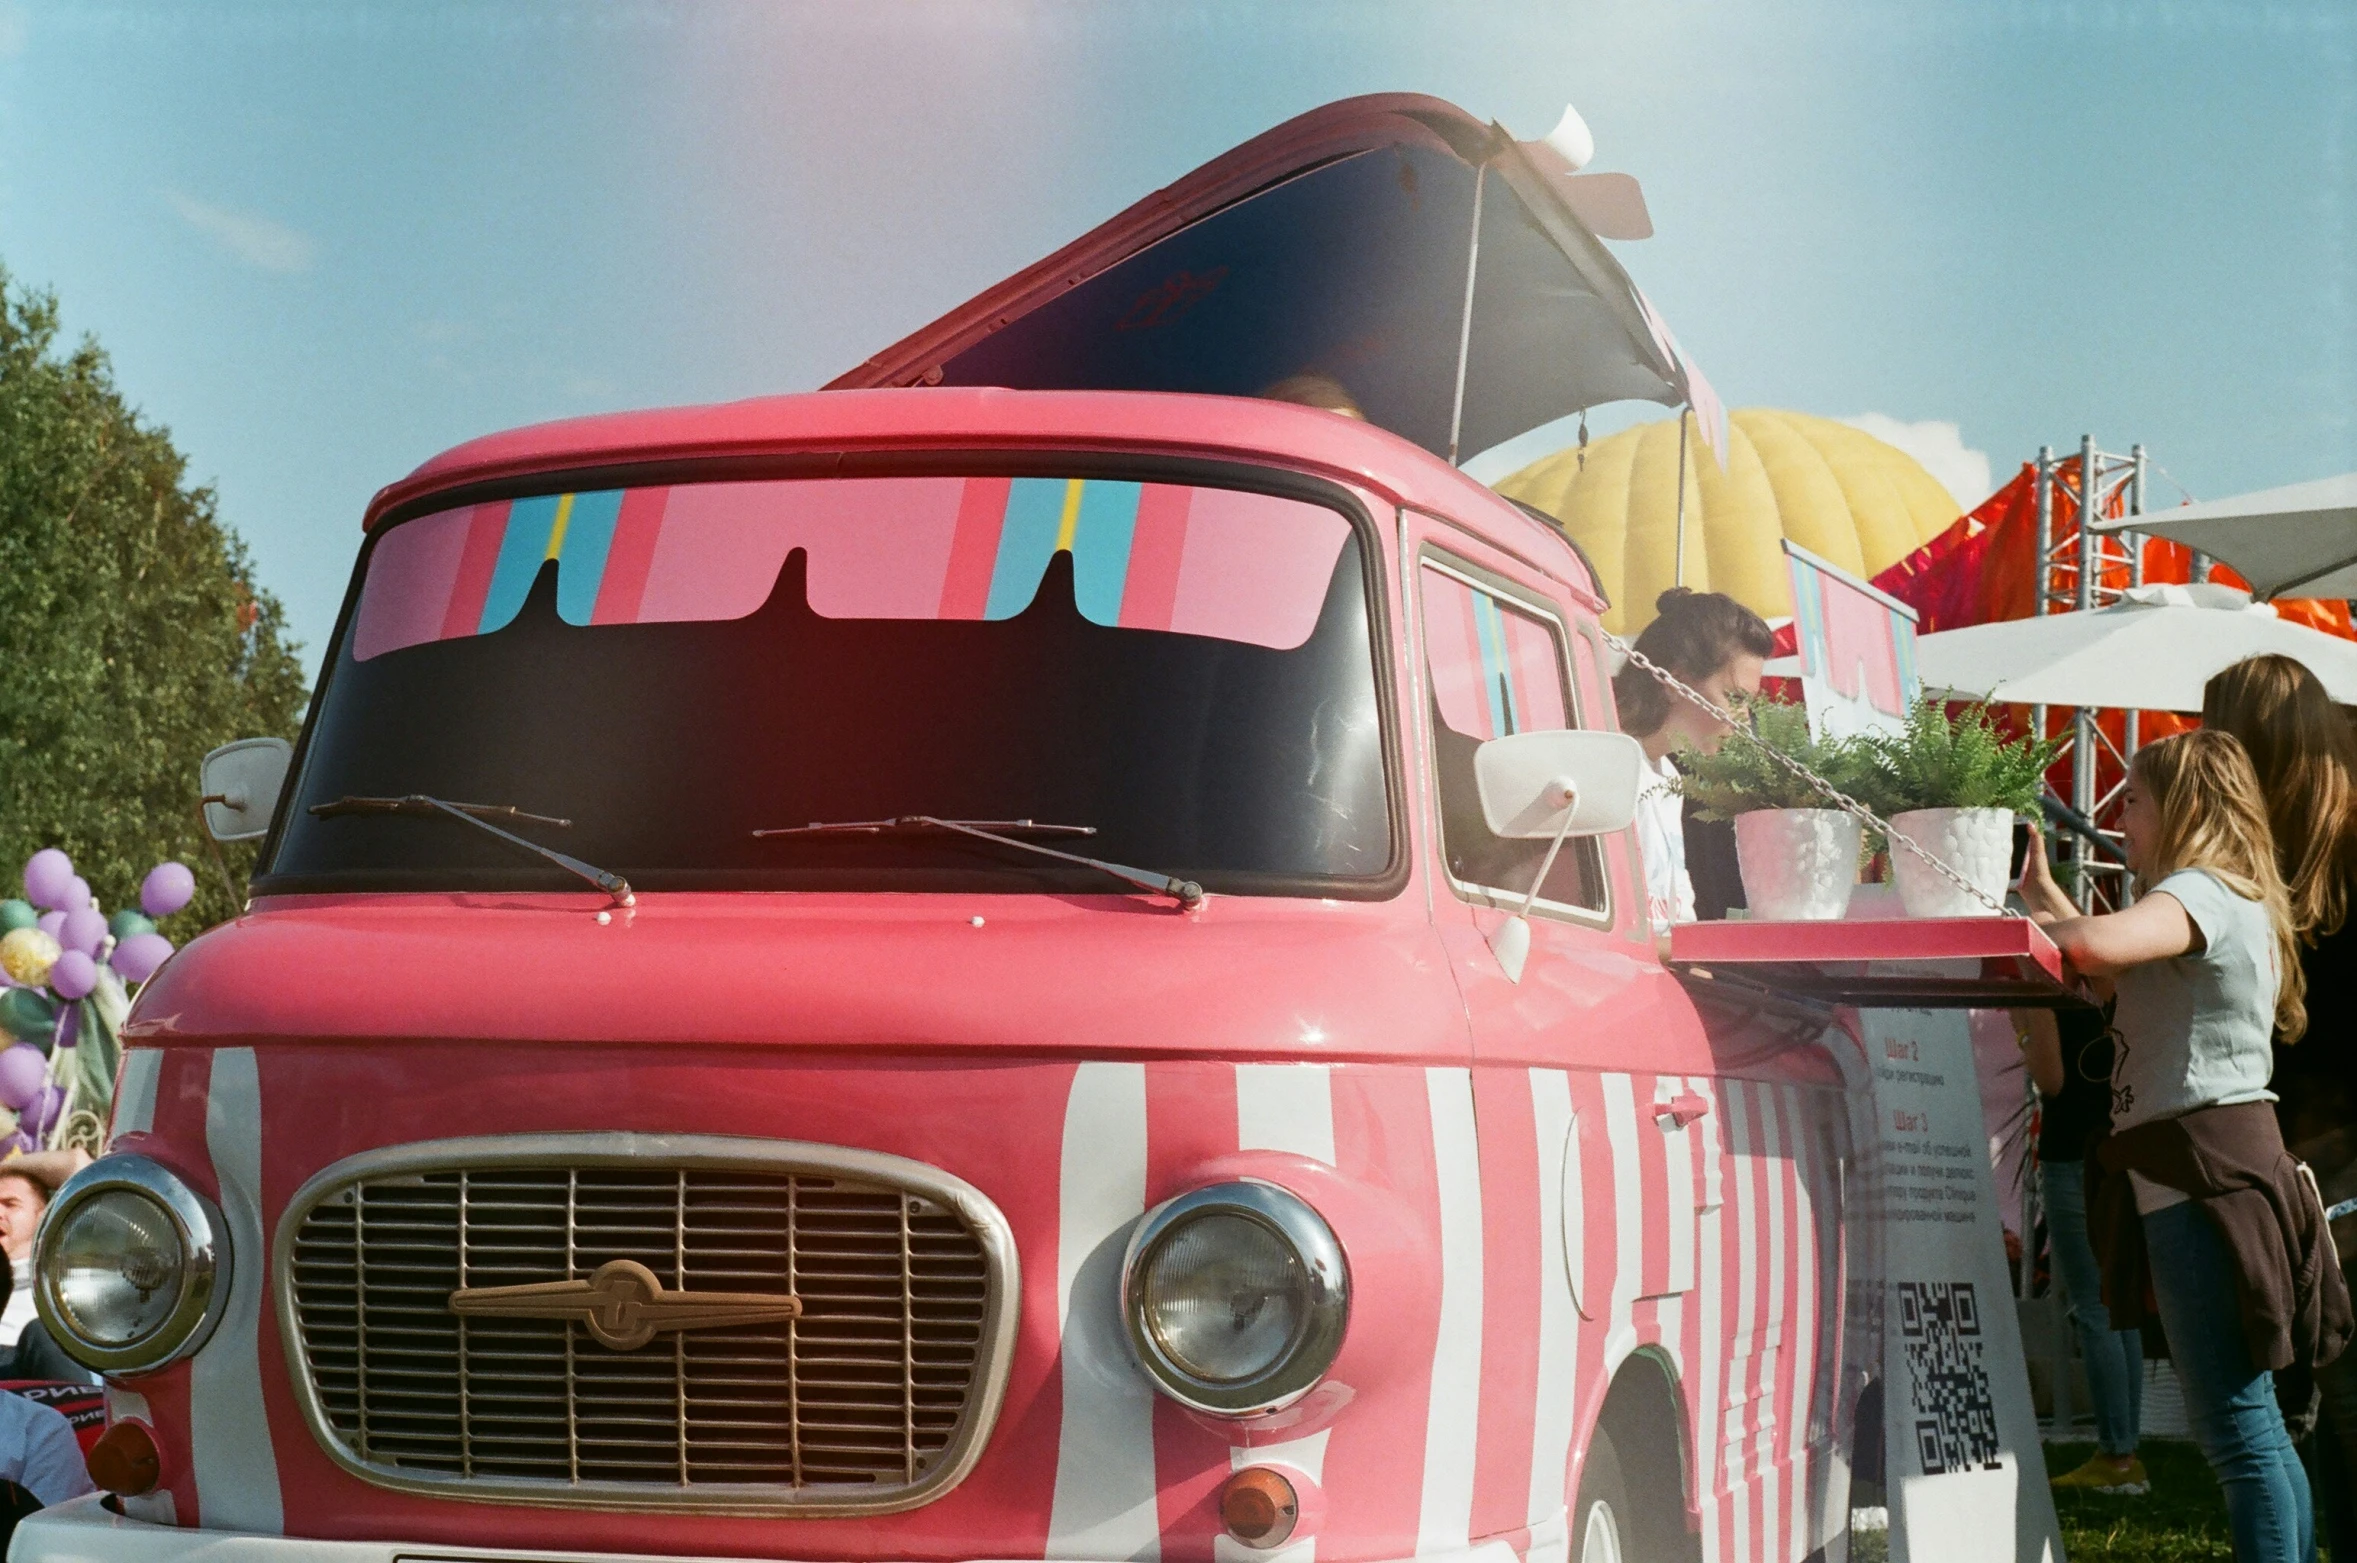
(1259, 979)
(1222, 428)
(1898, 939)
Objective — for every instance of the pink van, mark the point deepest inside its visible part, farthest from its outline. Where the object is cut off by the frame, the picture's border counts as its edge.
(972, 973)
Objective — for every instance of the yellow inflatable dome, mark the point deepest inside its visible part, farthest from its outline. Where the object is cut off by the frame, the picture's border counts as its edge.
(1837, 491)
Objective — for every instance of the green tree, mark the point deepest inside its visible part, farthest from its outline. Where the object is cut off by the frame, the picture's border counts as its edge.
(132, 637)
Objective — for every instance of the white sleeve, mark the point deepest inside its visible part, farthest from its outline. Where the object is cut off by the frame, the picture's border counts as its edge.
(1682, 884)
(54, 1469)
(18, 1313)
(1661, 835)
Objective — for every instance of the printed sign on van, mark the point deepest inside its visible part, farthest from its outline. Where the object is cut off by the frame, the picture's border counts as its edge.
(1961, 1458)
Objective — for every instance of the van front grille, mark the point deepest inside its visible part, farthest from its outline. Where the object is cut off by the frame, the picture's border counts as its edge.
(870, 1400)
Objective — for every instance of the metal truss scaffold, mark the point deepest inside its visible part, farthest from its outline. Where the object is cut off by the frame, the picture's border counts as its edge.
(2080, 569)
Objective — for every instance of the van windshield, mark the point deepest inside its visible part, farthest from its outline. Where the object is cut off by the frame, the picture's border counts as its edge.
(1186, 669)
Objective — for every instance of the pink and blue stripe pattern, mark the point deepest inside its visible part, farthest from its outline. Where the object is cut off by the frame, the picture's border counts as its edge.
(1203, 561)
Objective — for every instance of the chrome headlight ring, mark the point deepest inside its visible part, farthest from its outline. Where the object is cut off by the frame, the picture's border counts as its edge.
(1324, 1298)
(200, 1293)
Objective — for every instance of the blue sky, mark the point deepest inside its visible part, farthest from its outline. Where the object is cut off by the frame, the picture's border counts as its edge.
(324, 240)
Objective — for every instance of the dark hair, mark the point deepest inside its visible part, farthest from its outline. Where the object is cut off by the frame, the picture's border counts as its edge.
(1693, 635)
(2300, 747)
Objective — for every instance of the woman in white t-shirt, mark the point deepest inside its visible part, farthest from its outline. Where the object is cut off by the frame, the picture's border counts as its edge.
(1718, 648)
(2205, 968)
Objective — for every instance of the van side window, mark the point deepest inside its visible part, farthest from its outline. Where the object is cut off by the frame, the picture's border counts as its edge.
(1496, 666)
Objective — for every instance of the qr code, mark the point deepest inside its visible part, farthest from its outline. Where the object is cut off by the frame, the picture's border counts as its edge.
(1955, 1419)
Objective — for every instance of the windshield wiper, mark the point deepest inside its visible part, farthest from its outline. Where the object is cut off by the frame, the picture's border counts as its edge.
(1185, 891)
(480, 815)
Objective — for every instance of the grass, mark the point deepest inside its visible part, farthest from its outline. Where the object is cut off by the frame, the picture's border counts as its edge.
(2181, 1520)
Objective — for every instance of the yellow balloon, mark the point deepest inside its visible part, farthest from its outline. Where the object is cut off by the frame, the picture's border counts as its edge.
(26, 954)
(1837, 491)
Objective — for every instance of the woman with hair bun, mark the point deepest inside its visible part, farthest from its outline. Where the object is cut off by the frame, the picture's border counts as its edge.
(1718, 648)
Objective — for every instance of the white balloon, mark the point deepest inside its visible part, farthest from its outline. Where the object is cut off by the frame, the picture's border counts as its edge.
(1573, 139)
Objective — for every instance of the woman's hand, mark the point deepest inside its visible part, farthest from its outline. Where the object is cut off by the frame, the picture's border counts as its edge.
(2045, 899)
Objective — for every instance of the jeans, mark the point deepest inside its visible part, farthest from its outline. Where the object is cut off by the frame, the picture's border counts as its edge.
(2230, 1403)
(2331, 1455)
(2114, 1358)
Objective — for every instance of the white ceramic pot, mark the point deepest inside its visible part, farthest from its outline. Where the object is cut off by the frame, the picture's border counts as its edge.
(1799, 865)
(1977, 843)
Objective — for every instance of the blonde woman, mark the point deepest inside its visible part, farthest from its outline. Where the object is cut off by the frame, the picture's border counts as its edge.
(2212, 1212)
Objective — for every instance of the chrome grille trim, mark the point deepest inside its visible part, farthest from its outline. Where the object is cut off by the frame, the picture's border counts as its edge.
(504, 1382)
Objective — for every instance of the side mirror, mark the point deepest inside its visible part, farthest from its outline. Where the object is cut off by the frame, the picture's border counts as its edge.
(240, 783)
(1552, 786)
(1537, 785)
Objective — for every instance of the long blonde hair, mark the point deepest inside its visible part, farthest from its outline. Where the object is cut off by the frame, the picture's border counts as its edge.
(2214, 818)
(2299, 744)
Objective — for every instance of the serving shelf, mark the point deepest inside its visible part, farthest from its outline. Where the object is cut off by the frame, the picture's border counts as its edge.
(1912, 963)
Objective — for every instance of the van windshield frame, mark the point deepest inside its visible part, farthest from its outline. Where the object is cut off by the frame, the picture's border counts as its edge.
(856, 868)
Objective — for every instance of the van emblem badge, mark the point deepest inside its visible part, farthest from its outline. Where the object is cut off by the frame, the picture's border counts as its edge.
(623, 1305)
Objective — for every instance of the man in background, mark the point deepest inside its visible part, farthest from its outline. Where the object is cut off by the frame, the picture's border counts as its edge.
(23, 1199)
(27, 1183)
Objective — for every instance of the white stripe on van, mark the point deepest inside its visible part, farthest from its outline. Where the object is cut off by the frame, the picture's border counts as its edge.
(1710, 1356)
(1104, 1505)
(229, 1431)
(1556, 1422)
(135, 1096)
(1774, 1151)
(1628, 1203)
(1445, 1520)
(1286, 1107)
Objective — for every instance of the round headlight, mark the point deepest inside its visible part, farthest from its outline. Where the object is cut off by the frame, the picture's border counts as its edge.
(129, 1266)
(1236, 1297)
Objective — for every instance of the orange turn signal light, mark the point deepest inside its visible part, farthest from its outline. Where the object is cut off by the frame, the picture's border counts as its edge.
(125, 1461)
(1259, 1507)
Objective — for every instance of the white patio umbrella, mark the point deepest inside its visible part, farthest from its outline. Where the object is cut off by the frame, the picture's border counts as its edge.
(2299, 541)
(2152, 651)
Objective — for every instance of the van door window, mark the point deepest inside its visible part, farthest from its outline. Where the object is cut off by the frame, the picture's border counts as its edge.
(1496, 666)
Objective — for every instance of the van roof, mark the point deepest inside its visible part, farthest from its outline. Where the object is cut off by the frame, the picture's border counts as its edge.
(1340, 243)
(1233, 428)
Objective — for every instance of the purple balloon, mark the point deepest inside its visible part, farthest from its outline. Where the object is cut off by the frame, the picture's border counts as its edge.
(47, 873)
(23, 1072)
(52, 924)
(19, 1141)
(84, 930)
(77, 894)
(74, 975)
(167, 888)
(136, 958)
(41, 1114)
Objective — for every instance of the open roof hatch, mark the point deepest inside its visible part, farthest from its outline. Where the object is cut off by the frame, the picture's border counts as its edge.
(1340, 243)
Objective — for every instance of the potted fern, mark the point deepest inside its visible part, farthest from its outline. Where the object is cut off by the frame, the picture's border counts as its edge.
(1952, 785)
(1799, 857)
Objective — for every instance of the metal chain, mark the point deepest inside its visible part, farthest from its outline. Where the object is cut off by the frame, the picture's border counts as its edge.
(1843, 800)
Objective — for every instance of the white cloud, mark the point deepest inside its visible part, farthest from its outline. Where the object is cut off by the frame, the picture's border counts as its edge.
(258, 241)
(1940, 447)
